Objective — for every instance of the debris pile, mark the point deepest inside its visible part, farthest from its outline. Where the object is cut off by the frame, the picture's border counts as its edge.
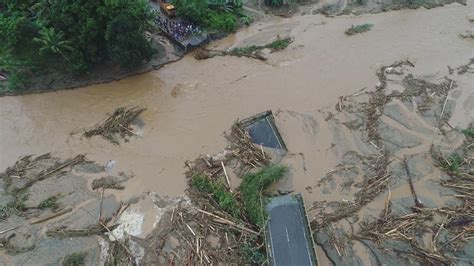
(253, 51)
(117, 124)
(358, 29)
(411, 227)
(241, 154)
(189, 235)
(46, 201)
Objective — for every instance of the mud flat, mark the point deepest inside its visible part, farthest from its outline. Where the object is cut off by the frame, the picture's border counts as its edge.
(352, 129)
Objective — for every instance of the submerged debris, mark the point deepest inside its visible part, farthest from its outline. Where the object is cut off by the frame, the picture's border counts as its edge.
(117, 124)
(110, 182)
(252, 51)
(75, 259)
(413, 229)
(358, 29)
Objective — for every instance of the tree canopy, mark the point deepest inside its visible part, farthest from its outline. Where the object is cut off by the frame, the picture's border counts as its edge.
(78, 33)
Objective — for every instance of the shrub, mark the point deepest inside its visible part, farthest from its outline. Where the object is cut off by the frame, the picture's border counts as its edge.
(359, 29)
(126, 44)
(469, 132)
(276, 45)
(75, 259)
(219, 193)
(221, 21)
(279, 44)
(252, 187)
(251, 253)
(453, 163)
(51, 202)
(223, 18)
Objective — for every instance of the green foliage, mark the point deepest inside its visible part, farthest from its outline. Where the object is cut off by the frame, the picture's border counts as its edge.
(51, 203)
(279, 44)
(225, 199)
(5, 212)
(193, 10)
(453, 163)
(126, 43)
(469, 132)
(251, 253)
(223, 17)
(252, 187)
(75, 259)
(18, 204)
(244, 19)
(15, 28)
(53, 42)
(40, 34)
(222, 21)
(276, 2)
(359, 29)
(276, 45)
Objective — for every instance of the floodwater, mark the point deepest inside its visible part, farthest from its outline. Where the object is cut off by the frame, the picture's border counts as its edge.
(191, 103)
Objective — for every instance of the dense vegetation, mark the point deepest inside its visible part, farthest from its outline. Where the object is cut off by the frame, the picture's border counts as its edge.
(214, 15)
(71, 35)
(277, 45)
(218, 192)
(252, 187)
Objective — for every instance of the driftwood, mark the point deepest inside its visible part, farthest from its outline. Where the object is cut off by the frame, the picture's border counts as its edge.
(202, 54)
(228, 222)
(117, 124)
(51, 216)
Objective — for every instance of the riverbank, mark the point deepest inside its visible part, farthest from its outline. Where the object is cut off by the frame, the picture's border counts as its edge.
(169, 52)
(54, 79)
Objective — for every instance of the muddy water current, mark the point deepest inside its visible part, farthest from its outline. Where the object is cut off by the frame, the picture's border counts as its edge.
(191, 103)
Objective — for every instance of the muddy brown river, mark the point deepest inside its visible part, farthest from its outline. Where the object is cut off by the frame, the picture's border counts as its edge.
(191, 103)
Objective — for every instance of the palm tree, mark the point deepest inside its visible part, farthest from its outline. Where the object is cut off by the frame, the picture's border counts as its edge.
(53, 42)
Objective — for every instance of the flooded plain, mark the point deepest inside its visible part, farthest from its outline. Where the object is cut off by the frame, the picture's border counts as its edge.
(191, 103)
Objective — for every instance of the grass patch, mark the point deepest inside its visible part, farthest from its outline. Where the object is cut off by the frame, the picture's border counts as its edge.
(252, 188)
(49, 203)
(75, 259)
(453, 163)
(5, 212)
(250, 251)
(276, 45)
(18, 204)
(359, 29)
(225, 199)
(469, 132)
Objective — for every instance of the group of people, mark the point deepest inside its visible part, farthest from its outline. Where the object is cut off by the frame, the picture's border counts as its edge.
(179, 30)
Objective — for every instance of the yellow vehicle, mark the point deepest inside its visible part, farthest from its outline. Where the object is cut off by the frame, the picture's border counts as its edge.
(167, 8)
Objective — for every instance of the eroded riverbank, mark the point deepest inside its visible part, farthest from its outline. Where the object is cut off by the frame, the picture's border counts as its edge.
(190, 103)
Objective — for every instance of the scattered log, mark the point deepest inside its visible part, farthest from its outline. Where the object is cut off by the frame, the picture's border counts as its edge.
(51, 216)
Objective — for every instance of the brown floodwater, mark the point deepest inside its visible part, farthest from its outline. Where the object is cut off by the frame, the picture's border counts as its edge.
(191, 103)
